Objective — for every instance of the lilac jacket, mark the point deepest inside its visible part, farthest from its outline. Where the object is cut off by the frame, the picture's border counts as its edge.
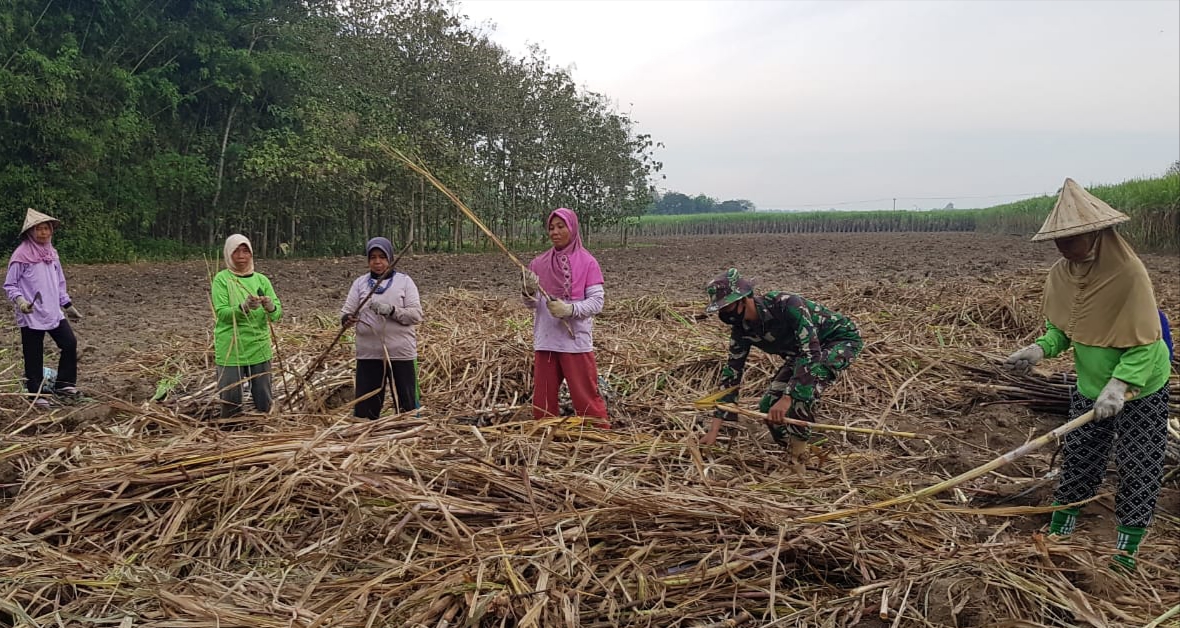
(28, 280)
(550, 334)
(375, 335)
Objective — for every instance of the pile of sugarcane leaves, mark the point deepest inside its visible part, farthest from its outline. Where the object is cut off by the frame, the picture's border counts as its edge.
(470, 513)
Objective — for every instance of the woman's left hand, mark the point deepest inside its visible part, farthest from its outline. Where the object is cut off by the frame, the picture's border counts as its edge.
(559, 308)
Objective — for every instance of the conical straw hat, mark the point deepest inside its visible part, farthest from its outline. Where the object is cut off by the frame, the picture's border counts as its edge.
(34, 218)
(1078, 211)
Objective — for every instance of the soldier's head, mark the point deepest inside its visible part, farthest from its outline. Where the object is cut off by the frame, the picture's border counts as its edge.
(731, 297)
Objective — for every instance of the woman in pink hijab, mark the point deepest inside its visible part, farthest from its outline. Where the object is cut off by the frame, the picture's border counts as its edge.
(563, 329)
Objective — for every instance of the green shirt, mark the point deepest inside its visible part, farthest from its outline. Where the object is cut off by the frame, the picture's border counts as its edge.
(241, 339)
(1145, 367)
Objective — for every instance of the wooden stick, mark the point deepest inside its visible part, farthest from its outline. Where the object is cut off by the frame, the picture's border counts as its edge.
(817, 426)
(1011, 456)
(1175, 610)
(420, 169)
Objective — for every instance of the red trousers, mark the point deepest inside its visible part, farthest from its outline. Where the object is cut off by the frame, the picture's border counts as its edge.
(579, 370)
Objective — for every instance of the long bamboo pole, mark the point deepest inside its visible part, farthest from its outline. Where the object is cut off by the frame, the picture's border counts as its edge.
(1011, 456)
(754, 414)
(420, 169)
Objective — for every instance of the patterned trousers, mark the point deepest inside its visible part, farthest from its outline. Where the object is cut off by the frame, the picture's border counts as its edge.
(837, 356)
(1139, 436)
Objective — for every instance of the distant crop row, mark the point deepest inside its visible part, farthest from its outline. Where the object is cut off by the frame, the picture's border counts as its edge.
(1153, 204)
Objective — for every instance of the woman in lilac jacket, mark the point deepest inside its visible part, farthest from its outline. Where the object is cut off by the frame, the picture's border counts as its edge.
(37, 288)
(386, 341)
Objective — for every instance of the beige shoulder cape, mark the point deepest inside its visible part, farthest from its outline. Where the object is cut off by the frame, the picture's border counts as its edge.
(1106, 302)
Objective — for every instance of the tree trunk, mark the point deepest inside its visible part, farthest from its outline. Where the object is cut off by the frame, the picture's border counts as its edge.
(229, 120)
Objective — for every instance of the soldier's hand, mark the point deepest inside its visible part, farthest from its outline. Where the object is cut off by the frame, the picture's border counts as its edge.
(779, 410)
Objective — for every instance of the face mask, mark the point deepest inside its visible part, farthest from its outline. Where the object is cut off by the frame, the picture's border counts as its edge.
(732, 317)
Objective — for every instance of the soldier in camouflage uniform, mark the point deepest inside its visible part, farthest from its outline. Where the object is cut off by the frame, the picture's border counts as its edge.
(815, 343)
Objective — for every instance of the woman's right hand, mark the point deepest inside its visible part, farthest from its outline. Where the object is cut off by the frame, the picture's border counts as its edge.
(1021, 362)
(24, 306)
(530, 284)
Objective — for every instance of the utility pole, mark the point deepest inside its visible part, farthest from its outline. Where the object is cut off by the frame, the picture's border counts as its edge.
(894, 204)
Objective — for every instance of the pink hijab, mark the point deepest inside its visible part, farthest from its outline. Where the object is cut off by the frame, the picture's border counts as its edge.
(29, 252)
(566, 273)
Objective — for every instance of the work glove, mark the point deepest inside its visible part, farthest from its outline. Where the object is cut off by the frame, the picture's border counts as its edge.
(1022, 361)
(72, 312)
(268, 304)
(1110, 400)
(347, 320)
(24, 306)
(251, 303)
(559, 308)
(529, 283)
(381, 309)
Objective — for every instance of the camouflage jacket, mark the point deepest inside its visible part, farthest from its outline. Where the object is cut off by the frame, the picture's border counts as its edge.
(795, 328)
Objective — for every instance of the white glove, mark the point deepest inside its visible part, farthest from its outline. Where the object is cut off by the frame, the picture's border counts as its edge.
(1110, 400)
(24, 306)
(73, 313)
(529, 283)
(559, 308)
(380, 309)
(1022, 361)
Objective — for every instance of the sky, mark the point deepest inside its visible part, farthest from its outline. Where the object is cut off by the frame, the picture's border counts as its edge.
(816, 105)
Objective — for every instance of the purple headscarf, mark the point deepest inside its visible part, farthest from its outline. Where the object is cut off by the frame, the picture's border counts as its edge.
(382, 244)
(29, 252)
(566, 273)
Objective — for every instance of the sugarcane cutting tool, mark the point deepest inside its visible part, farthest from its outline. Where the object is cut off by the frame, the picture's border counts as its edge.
(710, 401)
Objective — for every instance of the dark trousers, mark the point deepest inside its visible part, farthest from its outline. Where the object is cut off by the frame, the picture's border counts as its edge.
(1139, 437)
(33, 345)
(371, 376)
(230, 380)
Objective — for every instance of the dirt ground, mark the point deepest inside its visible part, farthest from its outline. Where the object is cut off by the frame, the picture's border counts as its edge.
(133, 309)
(138, 308)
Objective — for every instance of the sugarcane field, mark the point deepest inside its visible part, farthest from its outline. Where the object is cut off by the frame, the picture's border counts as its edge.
(140, 506)
(590, 314)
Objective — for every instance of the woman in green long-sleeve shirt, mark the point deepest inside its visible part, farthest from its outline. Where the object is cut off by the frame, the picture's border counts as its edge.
(1100, 303)
(244, 304)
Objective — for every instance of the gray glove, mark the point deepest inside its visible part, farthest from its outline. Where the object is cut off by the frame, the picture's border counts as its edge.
(1022, 361)
(381, 309)
(267, 304)
(529, 283)
(251, 303)
(24, 306)
(72, 312)
(559, 308)
(1110, 400)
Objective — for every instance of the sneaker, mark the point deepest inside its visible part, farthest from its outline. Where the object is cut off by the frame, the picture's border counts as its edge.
(41, 403)
(68, 391)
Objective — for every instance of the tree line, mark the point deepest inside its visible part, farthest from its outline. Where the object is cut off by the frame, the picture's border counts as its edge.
(158, 128)
(675, 203)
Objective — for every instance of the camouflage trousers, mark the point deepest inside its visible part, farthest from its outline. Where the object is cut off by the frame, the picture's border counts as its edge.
(835, 357)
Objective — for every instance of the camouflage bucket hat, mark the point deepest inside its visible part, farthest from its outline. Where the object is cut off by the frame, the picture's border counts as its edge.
(727, 288)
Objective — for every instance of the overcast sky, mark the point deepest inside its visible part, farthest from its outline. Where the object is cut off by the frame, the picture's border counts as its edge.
(821, 104)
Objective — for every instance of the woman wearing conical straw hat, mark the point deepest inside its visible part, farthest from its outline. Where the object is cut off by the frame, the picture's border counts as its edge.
(37, 287)
(1099, 302)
